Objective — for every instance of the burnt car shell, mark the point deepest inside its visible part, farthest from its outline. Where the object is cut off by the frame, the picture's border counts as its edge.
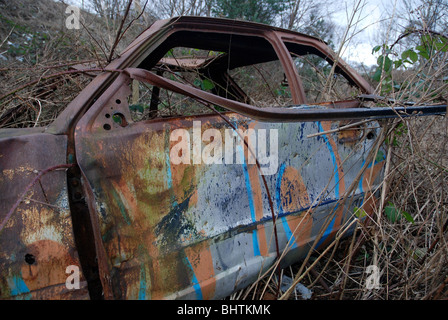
(140, 227)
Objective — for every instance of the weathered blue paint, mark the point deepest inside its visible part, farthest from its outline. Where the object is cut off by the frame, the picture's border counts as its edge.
(142, 290)
(194, 281)
(18, 286)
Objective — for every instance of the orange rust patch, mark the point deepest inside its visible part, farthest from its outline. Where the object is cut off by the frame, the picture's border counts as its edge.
(294, 197)
(201, 261)
(300, 227)
(370, 175)
(51, 260)
(257, 196)
(350, 135)
(254, 178)
(194, 198)
(155, 270)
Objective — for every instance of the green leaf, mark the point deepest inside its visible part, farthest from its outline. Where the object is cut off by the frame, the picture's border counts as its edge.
(422, 51)
(419, 253)
(392, 213)
(386, 85)
(405, 54)
(387, 64)
(424, 54)
(394, 142)
(377, 75)
(384, 60)
(359, 213)
(427, 39)
(413, 55)
(398, 63)
(407, 216)
(421, 48)
(376, 49)
(401, 129)
(136, 107)
(170, 53)
(207, 85)
(379, 156)
(280, 92)
(440, 46)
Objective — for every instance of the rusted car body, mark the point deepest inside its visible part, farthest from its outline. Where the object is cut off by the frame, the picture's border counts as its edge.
(98, 189)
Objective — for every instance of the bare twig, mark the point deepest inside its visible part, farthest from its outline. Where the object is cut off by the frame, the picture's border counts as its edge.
(118, 36)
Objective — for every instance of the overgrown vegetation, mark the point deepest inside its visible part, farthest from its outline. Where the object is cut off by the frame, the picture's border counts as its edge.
(405, 238)
(40, 56)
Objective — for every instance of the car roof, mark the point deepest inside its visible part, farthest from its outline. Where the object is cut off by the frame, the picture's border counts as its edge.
(234, 23)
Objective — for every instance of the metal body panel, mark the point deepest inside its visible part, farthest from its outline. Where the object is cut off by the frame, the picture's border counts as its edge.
(37, 240)
(195, 231)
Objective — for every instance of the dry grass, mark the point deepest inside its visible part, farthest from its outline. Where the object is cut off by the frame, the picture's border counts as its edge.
(36, 46)
(38, 55)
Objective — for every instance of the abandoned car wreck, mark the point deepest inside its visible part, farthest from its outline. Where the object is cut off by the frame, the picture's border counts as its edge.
(210, 152)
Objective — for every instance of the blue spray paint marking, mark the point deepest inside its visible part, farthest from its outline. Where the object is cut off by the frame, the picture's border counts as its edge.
(289, 234)
(336, 191)
(251, 200)
(167, 160)
(278, 187)
(248, 186)
(169, 174)
(368, 167)
(168, 169)
(142, 291)
(196, 286)
(19, 287)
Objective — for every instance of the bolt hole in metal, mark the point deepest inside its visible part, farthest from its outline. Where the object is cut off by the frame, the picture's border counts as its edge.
(30, 259)
(107, 126)
(120, 119)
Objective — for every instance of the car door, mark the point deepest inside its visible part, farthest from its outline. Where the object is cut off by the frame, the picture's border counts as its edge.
(194, 201)
(39, 257)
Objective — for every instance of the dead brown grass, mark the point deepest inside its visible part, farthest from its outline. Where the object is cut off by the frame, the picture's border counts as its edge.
(38, 55)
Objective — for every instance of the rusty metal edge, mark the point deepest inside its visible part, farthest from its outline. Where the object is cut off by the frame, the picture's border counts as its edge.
(132, 56)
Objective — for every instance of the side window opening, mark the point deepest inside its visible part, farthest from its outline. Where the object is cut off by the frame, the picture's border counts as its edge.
(319, 83)
(179, 64)
(237, 67)
(148, 102)
(264, 83)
